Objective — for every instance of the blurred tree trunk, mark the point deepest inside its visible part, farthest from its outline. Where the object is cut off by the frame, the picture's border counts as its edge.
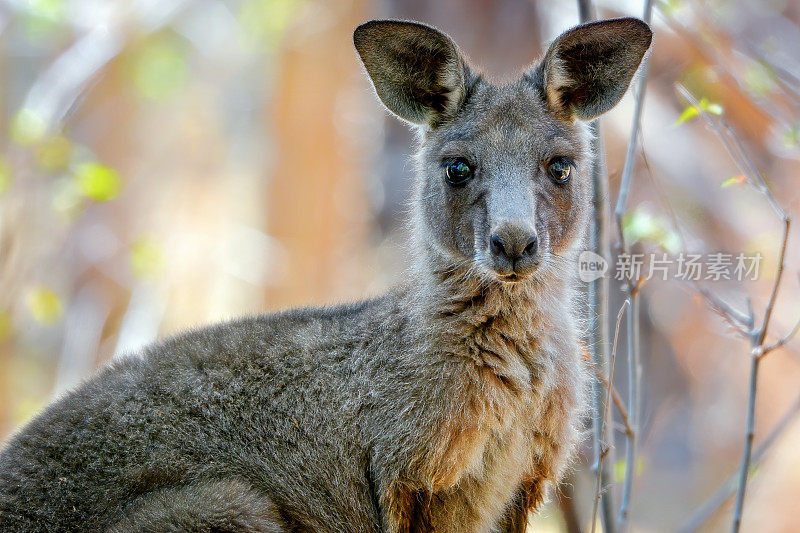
(316, 194)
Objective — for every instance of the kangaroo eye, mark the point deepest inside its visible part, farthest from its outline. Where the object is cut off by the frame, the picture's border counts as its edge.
(458, 172)
(559, 169)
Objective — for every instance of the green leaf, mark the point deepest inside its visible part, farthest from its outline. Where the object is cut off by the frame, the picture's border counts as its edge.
(146, 258)
(619, 469)
(66, 198)
(44, 305)
(640, 225)
(710, 107)
(637, 225)
(670, 7)
(733, 181)
(759, 79)
(53, 10)
(43, 18)
(159, 69)
(98, 182)
(5, 176)
(54, 153)
(692, 111)
(791, 137)
(27, 127)
(6, 325)
(688, 114)
(671, 241)
(266, 22)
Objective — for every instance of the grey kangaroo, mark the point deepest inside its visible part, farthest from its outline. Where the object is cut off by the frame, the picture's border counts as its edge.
(450, 404)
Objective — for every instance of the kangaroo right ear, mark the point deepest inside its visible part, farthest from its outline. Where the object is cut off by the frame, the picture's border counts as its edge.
(417, 71)
(588, 69)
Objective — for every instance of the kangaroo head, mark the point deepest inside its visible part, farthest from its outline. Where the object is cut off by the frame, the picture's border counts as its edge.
(503, 170)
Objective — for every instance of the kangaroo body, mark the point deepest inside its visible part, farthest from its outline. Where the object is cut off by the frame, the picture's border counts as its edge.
(296, 409)
(446, 405)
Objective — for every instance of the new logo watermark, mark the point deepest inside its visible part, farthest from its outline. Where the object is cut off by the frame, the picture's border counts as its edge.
(591, 266)
(716, 266)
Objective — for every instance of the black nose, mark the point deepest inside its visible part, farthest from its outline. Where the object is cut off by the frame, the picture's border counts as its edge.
(513, 244)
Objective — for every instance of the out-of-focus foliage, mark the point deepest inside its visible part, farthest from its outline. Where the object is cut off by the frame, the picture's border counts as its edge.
(694, 110)
(5, 176)
(619, 469)
(97, 182)
(263, 23)
(158, 67)
(146, 257)
(640, 224)
(5, 325)
(27, 127)
(44, 305)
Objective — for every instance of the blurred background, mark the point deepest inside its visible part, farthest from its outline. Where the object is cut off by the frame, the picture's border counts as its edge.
(165, 164)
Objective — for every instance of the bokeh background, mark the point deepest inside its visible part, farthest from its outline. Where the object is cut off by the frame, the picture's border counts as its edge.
(166, 164)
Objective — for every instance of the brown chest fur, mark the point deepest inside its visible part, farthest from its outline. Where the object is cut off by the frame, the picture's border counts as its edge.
(514, 423)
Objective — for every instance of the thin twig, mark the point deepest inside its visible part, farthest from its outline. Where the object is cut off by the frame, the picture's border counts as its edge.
(787, 221)
(728, 487)
(598, 300)
(599, 488)
(641, 85)
(618, 403)
(757, 352)
(662, 195)
(780, 342)
(736, 149)
(741, 322)
(750, 432)
(634, 362)
(634, 378)
(734, 146)
(745, 323)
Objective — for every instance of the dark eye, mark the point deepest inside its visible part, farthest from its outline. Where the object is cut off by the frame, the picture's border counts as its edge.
(560, 169)
(458, 172)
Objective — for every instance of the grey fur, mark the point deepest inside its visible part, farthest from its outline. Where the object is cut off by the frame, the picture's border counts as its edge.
(449, 404)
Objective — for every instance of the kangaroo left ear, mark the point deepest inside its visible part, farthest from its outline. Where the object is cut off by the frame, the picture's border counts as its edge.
(417, 70)
(587, 69)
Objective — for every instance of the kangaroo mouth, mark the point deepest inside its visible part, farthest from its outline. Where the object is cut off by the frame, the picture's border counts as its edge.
(518, 273)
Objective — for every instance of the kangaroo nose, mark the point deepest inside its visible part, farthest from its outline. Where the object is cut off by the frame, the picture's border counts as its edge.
(513, 242)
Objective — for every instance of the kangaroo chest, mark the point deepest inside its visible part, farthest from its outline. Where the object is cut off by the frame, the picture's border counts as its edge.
(509, 423)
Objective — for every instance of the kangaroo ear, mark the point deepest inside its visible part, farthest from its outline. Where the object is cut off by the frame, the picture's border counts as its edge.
(588, 68)
(417, 71)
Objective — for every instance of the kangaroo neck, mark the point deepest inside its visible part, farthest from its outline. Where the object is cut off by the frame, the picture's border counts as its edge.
(455, 307)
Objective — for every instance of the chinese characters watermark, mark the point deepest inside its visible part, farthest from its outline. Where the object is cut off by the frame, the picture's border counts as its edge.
(716, 266)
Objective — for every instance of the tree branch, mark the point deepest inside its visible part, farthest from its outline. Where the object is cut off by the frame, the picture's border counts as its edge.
(757, 336)
(780, 342)
(598, 300)
(634, 362)
(618, 403)
(728, 488)
(600, 488)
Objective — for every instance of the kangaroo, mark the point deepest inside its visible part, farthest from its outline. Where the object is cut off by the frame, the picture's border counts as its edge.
(449, 404)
